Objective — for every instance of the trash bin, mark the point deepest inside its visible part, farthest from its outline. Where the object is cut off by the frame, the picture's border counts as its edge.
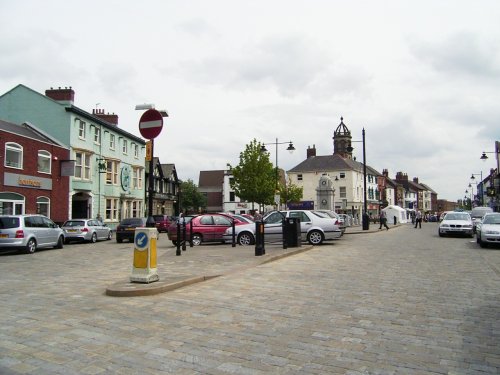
(292, 232)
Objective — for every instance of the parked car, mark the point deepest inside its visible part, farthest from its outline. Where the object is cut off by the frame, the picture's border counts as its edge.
(90, 230)
(126, 229)
(477, 213)
(488, 231)
(456, 223)
(162, 222)
(314, 228)
(340, 220)
(29, 233)
(206, 228)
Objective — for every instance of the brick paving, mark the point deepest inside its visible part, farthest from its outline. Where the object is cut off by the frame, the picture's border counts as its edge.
(402, 301)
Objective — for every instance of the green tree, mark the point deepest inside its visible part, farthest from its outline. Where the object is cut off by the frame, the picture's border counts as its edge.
(191, 199)
(290, 192)
(254, 178)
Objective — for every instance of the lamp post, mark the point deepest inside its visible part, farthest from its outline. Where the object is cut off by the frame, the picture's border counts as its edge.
(477, 185)
(146, 131)
(290, 148)
(366, 217)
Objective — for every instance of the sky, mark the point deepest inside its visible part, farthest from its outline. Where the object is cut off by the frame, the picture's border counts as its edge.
(421, 77)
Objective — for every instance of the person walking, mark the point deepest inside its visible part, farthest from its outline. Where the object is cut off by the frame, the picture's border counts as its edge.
(418, 219)
(383, 220)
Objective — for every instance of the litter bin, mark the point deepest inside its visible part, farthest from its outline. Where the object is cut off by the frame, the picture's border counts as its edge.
(292, 232)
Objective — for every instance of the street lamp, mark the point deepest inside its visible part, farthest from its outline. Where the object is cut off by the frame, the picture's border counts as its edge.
(366, 218)
(290, 148)
(480, 194)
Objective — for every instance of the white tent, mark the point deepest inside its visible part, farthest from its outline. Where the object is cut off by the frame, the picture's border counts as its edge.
(395, 212)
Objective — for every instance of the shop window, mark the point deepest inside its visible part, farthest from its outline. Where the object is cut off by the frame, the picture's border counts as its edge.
(43, 206)
(13, 155)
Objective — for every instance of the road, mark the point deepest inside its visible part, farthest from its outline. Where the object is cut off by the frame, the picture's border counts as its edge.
(402, 301)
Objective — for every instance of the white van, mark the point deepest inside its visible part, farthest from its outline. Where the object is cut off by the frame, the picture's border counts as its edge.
(477, 213)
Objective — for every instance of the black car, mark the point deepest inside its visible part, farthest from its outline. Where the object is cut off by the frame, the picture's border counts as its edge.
(126, 228)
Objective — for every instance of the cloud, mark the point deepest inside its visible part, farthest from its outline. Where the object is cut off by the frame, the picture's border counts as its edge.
(463, 54)
(292, 66)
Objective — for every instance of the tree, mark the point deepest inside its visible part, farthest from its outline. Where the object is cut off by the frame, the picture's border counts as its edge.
(191, 199)
(254, 178)
(290, 192)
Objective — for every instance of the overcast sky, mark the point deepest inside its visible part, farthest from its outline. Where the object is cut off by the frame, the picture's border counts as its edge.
(422, 77)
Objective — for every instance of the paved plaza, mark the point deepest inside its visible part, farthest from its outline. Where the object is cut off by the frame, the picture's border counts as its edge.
(402, 301)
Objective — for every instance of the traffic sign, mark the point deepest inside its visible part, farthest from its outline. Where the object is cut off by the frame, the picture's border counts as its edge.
(150, 124)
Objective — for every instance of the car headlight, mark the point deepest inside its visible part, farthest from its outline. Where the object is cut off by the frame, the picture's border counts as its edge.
(445, 225)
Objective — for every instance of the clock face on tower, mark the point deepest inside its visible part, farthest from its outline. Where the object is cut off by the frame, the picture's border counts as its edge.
(323, 182)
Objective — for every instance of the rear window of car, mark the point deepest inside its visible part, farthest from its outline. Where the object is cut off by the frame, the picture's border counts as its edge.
(132, 221)
(9, 222)
(74, 223)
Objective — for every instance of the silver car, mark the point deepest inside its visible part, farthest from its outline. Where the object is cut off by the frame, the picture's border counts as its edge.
(28, 233)
(456, 223)
(90, 230)
(314, 228)
(488, 231)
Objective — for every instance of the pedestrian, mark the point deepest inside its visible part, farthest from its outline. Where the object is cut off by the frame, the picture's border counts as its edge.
(418, 219)
(383, 220)
(257, 216)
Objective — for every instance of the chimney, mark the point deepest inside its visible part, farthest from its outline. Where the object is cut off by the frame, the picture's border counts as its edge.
(62, 95)
(415, 180)
(311, 151)
(385, 172)
(108, 117)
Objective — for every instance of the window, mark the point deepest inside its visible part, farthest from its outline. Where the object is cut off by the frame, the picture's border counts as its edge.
(136, 178)
(112, 206)
(44, 161)
(136, 209)
(112, 141)
(111, 172)
(81, 129)
(82, 165)
(136, 151)
(43, 206)
(342, 174)
(231, 196)
(342, 192)
(11, 204)
(13, 155)
(97, 136)
(299, 177)
(125, 147)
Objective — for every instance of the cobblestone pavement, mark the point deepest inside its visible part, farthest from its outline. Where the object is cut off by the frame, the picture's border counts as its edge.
(402, 301)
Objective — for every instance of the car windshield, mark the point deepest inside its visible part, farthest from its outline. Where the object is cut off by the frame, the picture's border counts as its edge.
(9, 222)
(492, 219)
(74, 223)
(457, 216)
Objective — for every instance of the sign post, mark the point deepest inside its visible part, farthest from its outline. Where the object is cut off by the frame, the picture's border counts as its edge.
(150, 126)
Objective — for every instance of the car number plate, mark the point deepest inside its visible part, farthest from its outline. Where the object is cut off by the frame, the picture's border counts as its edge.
(4, 236)
(71, 230)
(130, 229)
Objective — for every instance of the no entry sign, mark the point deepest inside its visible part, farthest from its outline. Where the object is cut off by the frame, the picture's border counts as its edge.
(150, 124)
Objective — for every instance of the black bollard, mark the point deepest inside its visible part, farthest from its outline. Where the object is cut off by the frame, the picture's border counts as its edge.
(259, 238)
(191, 233)
(178, 250)
(285, 230)
(233, 237)
(184, 236)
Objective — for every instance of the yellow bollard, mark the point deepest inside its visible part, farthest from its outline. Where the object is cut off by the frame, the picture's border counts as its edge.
(144, 268)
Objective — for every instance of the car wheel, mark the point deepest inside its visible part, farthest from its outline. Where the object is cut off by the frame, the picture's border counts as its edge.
(245, 239)
(119, 239)
(110, 235)
(60, 242)
(93, 239)
(30, 246)
(315, 237)
(197, 239)
(440, 234)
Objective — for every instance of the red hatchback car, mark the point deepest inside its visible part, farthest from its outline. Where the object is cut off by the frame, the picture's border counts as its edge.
(206, 228)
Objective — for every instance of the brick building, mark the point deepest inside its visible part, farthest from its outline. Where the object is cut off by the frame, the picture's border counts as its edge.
(31, 172)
